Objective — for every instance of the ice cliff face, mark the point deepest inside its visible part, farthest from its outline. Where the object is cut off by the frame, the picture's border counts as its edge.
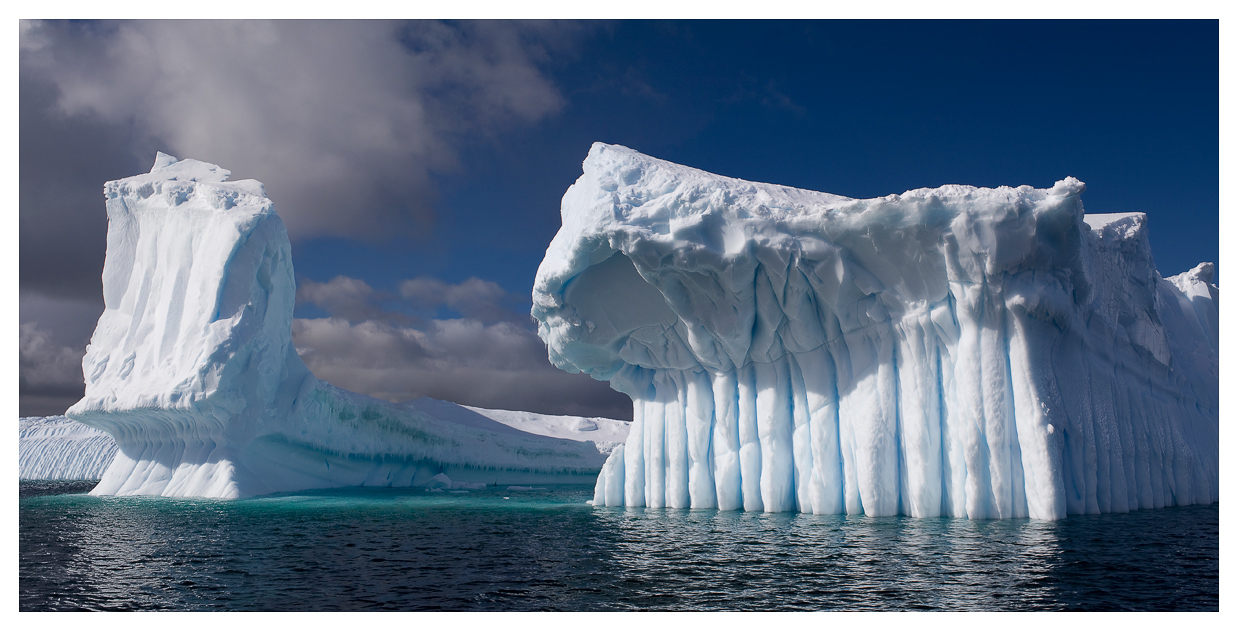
(191, 368)
(954, 351)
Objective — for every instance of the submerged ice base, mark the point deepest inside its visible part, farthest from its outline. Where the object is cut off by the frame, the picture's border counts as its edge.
(955, 351)
(192, 370)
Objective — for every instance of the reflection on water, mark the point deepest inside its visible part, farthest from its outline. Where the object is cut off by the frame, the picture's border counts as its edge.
(547, 550)
(784, 561)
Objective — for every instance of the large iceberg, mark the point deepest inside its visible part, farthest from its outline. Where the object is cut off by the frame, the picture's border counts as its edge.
(955, 351)
(192, 370)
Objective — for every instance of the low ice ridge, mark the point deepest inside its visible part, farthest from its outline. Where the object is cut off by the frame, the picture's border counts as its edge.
(955, 351)
(59, 448)
(192, 371)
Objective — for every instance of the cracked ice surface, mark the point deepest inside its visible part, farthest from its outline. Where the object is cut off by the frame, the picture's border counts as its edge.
(954, 351)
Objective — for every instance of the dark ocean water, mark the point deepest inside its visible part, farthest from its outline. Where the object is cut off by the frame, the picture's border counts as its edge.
(509, 550)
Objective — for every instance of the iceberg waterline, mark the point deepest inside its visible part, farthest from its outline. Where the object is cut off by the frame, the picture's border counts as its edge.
(954, 351)
(191, 368)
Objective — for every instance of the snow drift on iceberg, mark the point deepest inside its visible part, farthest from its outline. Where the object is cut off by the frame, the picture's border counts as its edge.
(192, 370)
(954, 351)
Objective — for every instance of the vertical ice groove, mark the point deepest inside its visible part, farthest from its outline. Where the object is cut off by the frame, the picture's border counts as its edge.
(655, 445)
(774, 433)
(817, 369)
(1018, 479)
(996, 429)
(969, 381)
(749, 441)
(726, 445)
(801, 438)
(609, 489)
(883, 443)
(849, 415)
(919, 408)
(699, 411)
(674, 401)
(961, 351)
(945, 406)
(900, 455)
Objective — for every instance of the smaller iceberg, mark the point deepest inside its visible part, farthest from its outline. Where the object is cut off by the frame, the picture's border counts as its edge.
(192, 371)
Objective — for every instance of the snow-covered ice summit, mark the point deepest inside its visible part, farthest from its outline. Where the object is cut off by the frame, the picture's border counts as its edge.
(954, 351)
(192, 370)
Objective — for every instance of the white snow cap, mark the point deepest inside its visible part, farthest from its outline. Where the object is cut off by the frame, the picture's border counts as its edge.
(951, 351)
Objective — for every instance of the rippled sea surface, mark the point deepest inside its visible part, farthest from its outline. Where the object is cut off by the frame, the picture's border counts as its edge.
(545, 549)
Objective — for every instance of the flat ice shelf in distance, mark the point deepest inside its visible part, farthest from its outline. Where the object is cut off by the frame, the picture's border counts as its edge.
(955, 351)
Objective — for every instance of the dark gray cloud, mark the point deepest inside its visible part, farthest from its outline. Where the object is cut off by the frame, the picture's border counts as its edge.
(345, 120)
(346, 123)
(489, 357)
(474, 298)
(70, 321)
(342, 297)
(50, 374)
(54, 334)
(417, 300)
(500, 365)
(64, 161)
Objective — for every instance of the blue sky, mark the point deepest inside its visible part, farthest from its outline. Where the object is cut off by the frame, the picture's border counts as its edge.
(861, 110)
(419, 166)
